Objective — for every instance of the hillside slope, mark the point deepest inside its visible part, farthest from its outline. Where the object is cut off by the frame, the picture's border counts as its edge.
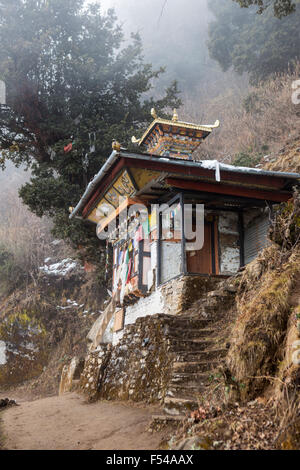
(45, 324)
(287, 159)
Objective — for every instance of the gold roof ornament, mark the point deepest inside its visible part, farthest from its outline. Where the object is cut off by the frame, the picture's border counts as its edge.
(116, 146)
(173, 138)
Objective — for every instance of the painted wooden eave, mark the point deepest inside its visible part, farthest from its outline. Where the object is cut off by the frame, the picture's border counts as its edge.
(196, 169)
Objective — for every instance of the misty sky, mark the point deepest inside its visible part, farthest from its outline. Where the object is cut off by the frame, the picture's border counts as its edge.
(157, 14)
(173, 37)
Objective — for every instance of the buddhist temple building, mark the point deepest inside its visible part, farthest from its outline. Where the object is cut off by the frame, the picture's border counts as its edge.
(154, 262)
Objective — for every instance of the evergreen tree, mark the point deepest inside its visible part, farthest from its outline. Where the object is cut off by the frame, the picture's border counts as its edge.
(258, 44)
(280, 7)
(69, 81)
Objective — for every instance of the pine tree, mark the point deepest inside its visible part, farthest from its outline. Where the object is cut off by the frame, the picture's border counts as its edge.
(281, 8)
(260, 45)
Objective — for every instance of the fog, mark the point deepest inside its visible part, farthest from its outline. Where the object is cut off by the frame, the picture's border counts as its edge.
(174, 35)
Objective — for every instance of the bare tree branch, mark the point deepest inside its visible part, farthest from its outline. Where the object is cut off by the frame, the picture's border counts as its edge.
(162, 11)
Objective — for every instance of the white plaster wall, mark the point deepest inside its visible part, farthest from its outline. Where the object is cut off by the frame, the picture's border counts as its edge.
(230, 260)
(153, 248)
(229, 255)
(108, 334)
(142, 308)
(3, 359)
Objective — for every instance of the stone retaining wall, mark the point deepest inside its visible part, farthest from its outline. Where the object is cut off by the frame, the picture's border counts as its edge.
(137, 369)
(171, 298)
(94, 370)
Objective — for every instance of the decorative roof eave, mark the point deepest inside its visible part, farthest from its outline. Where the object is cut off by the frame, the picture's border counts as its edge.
(211, 165)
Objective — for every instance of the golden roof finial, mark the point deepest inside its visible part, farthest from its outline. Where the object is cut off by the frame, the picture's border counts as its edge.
(153, 113)
(175, 116)
(134, 140)
(116, 146)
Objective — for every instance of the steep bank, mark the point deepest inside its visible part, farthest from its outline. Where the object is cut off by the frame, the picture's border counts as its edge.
(45, 324)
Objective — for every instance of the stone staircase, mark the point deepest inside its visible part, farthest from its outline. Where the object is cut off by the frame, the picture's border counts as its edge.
(194, 340)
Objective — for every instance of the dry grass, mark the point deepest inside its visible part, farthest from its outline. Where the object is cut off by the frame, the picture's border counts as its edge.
(287, 159)
(265, 128)
(23, 236)
(264, 309)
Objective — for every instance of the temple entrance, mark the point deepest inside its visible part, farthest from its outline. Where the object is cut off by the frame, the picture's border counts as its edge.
(202, 261)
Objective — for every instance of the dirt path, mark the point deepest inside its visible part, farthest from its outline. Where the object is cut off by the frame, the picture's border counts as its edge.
(68, 423)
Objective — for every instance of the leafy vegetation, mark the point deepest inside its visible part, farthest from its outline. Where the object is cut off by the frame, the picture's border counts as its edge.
(260, 45)
(247, 159)
(280, 7)
(12, 274)
(69, 81)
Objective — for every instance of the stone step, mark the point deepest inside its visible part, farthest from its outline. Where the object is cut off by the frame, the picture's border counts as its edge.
(160, 421)
(193, 394)
(188, 345)
(194, 333)
(200, 355)
(188, 322)
(196, 366)
(182, 390)
(190, 377)
(220, 293)
(180, 406)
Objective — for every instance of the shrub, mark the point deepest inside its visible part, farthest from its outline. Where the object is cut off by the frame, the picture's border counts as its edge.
(247, 159)
(11, 273)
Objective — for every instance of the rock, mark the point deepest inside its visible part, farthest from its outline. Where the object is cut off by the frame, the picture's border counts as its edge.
(69, 373)
(195, 443)
(6, 403)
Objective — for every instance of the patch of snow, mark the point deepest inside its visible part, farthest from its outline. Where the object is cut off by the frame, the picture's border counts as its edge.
(213, 165)
(56, 242)
(209, 164)
(62, 268)
(71, 304)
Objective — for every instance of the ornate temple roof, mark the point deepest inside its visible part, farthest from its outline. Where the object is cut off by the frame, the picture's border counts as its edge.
(173, 138)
